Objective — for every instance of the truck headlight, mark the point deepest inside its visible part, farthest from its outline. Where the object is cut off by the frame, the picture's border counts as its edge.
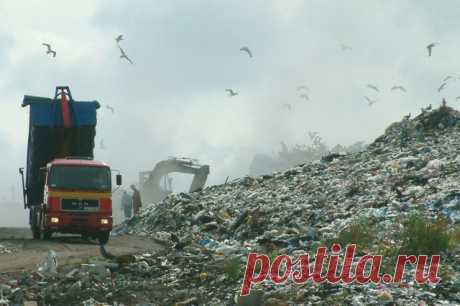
(104, 221)
(54, 220)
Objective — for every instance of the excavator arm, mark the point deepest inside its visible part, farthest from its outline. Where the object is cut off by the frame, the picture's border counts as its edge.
(150, 181)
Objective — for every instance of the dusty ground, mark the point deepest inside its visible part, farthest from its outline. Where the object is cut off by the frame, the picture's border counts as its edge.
(69, 249)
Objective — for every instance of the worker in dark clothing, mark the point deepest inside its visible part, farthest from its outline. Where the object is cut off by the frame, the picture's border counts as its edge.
(126, 204)
(137, 203)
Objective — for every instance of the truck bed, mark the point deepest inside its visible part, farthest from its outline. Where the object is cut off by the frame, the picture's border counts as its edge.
(48, 139)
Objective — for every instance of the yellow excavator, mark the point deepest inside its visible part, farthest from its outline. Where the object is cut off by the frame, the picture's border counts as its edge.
(156, 185)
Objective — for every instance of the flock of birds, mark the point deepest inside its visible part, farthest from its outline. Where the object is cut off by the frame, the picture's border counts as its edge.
(303, 91)
(118, 39)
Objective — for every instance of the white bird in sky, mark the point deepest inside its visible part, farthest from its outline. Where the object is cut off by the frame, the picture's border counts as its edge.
(119, 38)
(304, 96)
(49, 50)
(398, 87)
(443, 85)
(110, 108)
(430, 47)
(124, 55)
(300, 87)
(246, 49)
(231, 92)
(370, 101)
(371, 86)
(451, 77)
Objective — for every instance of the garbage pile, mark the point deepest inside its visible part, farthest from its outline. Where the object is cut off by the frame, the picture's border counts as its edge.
(414, 168)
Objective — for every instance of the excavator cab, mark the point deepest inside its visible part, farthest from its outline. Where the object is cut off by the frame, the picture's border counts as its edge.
(156, 185)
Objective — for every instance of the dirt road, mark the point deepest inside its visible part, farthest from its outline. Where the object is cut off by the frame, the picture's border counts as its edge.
(27, 253)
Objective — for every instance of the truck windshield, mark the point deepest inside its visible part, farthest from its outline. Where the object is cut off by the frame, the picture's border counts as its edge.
(80, 177)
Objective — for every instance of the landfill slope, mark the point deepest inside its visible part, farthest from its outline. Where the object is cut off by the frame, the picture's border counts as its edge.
(206, 235)
(413, 167)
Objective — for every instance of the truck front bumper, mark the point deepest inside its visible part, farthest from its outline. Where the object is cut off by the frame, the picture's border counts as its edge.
(78, 223)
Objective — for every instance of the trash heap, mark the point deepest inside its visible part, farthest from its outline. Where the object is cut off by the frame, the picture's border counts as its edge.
(414, 167)
(206, 235)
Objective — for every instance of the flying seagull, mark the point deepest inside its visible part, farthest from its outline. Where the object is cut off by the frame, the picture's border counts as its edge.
(231, 92)
(370, 101)
(246, 49)
(119, 38)
(398, 88)
(304, 96)
(300, 87)
(123, 55)
(110, 108)
(448, 78)
(345, 47)
(430, 47)
(49, 51)
(442, 86)
(373, 87)
(287, 106)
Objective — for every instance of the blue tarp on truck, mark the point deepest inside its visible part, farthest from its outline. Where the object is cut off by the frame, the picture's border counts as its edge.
(49, 138)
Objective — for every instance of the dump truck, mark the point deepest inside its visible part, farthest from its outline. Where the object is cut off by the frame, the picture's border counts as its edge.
(65, 189)
(155, 185)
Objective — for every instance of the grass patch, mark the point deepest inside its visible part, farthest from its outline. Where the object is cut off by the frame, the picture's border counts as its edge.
(233, 269)
(422, 237)
(360, 232)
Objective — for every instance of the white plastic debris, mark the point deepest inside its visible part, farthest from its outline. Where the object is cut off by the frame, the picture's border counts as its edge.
(50, 264)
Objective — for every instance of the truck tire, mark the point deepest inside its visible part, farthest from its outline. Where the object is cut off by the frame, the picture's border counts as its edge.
(34, 227)
(36, 232)
(47, 234)
(103, 237)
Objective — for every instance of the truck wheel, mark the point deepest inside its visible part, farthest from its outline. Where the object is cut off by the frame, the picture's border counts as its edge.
(103, 237)
(47, 234)
(36, 232)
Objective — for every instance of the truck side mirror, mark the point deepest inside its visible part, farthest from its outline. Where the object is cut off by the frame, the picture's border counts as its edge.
(118, 179)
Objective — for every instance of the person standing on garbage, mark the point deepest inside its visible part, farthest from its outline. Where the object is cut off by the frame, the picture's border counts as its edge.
(126, 204)
(137, 203)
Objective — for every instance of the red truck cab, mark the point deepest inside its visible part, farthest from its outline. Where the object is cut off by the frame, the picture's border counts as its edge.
(77, 199)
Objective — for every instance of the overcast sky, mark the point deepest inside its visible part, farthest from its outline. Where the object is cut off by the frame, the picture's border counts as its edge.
(172, 102)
